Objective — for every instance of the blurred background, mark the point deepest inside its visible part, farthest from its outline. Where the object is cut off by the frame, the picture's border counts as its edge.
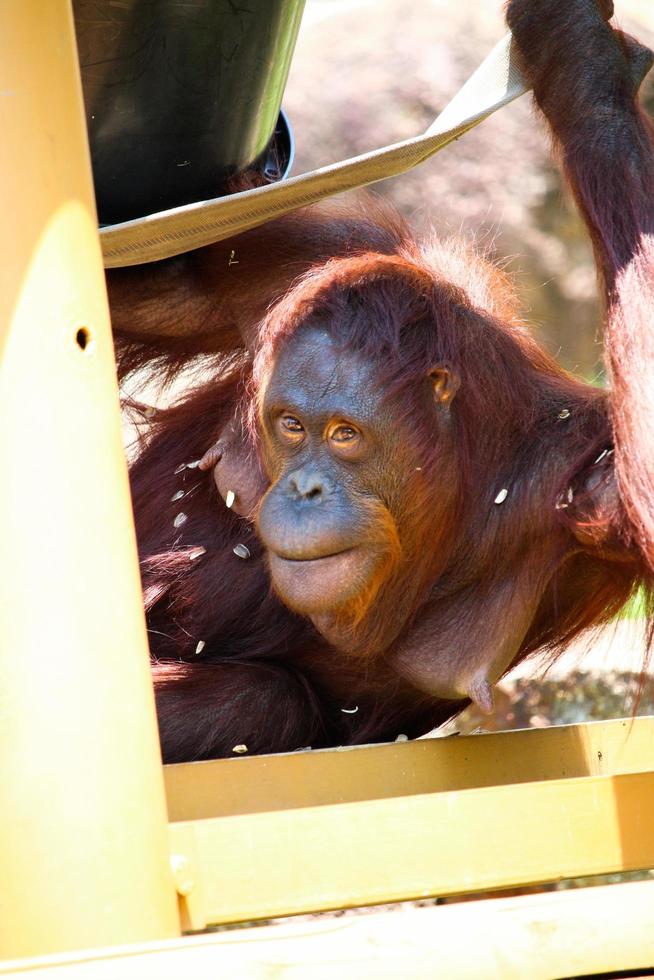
(370, 72)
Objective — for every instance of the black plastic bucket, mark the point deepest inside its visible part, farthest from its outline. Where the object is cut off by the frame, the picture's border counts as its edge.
(182, 97)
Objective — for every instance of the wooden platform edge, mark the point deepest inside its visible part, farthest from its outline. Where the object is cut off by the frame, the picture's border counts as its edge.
(556, 934)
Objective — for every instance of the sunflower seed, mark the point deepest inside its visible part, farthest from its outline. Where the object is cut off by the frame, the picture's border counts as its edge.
(177, 496)
(200, 647)
(240, 749)
(350, 711)
(230, 497)
(180, 519)
(180, 468)
(501, 497)
(242, 551)
(194, 465)
(564, 414)
(197, 553)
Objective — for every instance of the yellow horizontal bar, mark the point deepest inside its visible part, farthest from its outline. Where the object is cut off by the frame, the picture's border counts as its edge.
(199, 790)
(585, 931)
(283, 862)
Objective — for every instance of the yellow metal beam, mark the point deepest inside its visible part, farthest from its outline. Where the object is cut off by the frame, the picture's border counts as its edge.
(83, 836)
(261, 865)
(279, 782)
(560, 934)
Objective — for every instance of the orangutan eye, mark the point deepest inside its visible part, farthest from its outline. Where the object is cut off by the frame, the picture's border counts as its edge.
(345, 441)
(290, 427)
(344, 433)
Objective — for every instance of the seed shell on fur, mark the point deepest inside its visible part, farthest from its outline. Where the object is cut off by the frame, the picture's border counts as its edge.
(180, 468)
(177, 496)
(570, 495)
(230, 497)
(200, 647)
(194, 465)
(564, 414)
(242, 551)
(402, 738)
(501, 497)
(197, 553)
(350, 711)
(180, 519)
(601, 456)
(240, 749)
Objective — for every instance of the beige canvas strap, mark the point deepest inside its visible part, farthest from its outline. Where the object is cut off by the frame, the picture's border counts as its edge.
(495, 83)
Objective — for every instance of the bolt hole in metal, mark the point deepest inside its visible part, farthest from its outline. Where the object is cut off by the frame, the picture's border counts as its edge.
(83, 339)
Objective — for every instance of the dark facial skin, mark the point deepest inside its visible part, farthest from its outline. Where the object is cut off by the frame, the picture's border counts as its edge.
(329, 439)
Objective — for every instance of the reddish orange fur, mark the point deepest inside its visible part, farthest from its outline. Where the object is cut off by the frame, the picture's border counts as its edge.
(265, 676)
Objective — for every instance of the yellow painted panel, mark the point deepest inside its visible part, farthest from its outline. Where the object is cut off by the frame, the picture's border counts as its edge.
(83, 833)
(278, 782)
(325, 857)
(586, 931)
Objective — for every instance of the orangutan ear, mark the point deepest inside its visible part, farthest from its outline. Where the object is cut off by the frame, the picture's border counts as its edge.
(445, 383)
(237, 471)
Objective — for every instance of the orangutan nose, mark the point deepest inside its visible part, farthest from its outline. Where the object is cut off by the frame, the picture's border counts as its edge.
(308, 484)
